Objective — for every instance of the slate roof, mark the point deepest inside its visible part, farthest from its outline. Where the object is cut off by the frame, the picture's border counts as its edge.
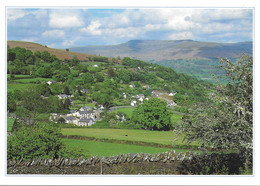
(86, 120)
(86, 112)
(70, 118)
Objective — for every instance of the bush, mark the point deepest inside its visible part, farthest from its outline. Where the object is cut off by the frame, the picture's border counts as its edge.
(224, 164)
(41, 140)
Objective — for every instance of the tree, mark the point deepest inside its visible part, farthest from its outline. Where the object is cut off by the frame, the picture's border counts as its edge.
(226, 120)
(111, 72)
(153, 114)
(11, 103)
(33, 102)
(87, 78)
(124, 76)
(45, 56)
(41, 140)
(10, 54)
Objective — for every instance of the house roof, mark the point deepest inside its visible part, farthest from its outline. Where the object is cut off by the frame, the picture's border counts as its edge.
(86, 108)
(70, 118)
(73, 111)
(53, 81)
(86, 112)
(86, 120)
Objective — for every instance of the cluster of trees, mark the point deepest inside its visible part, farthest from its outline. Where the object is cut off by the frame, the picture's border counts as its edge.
(40, 140)
(19, 59)
(30, 103)
(100, 59)
(225, 122)
(153, 114)
(135, 63)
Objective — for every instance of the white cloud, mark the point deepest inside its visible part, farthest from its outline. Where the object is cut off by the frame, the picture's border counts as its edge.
(52, 45)
(92, 28)
(130, 32)
(181, 35)
(63, 20)
(68, 43)
(13, 14)
(54, 33)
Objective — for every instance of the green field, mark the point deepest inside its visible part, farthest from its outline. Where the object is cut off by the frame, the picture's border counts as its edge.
(19, 76)
(31, 80)
(127, 111)
(109, 149)
(10, 123)
(19, 86)
(158, 137)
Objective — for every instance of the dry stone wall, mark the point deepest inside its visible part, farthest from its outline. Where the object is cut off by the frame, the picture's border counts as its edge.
(161, 163)
(170, 156)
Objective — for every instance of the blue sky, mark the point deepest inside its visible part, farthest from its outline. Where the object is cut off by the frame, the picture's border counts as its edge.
(61, 28)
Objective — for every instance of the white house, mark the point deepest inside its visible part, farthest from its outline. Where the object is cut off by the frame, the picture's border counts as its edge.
(51, 82)
(85, 108)
(86, 122)
(131, 86)
(72, 119)
(172, 93)
(133, 103)
(65, 96)
(95, 65)
(124, 94)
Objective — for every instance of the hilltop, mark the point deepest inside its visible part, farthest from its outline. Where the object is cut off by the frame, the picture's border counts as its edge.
(158, 50)
(61, 54)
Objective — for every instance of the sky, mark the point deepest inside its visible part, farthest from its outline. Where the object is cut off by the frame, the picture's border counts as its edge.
(63, 28)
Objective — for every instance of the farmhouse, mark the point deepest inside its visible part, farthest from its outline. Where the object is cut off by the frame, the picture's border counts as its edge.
(85, 108)
(51, 82)
(172, 93)
(65, 96)
(133, 103)
(72, 119)
(86, 122)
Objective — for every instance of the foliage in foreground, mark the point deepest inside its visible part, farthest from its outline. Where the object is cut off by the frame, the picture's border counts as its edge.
(41, 140)
(226, 121)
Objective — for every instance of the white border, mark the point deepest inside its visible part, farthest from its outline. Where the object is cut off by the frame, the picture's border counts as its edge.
(124, 180)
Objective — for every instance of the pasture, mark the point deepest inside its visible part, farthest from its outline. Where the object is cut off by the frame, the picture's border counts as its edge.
(127, 111)
(165, 138)
(19, 86)
(10, 123)
(97, 148)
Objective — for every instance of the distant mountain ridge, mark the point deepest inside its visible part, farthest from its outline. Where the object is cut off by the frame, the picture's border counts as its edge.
(158, 50)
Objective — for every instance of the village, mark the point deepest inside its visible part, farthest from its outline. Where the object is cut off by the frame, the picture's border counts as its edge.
(87, 116)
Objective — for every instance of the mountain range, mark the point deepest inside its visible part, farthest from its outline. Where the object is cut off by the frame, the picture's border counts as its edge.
(159, 50)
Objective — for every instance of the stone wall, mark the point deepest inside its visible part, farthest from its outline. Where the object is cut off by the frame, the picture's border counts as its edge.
(166, 163)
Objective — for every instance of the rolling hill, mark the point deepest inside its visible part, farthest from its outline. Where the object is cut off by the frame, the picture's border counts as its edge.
(159, 50)
(61, 54)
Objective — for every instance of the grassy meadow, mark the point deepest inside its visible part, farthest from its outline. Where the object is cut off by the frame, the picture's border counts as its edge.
(10, 123)
(127, 111)
(158, 137)
(97, 148)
